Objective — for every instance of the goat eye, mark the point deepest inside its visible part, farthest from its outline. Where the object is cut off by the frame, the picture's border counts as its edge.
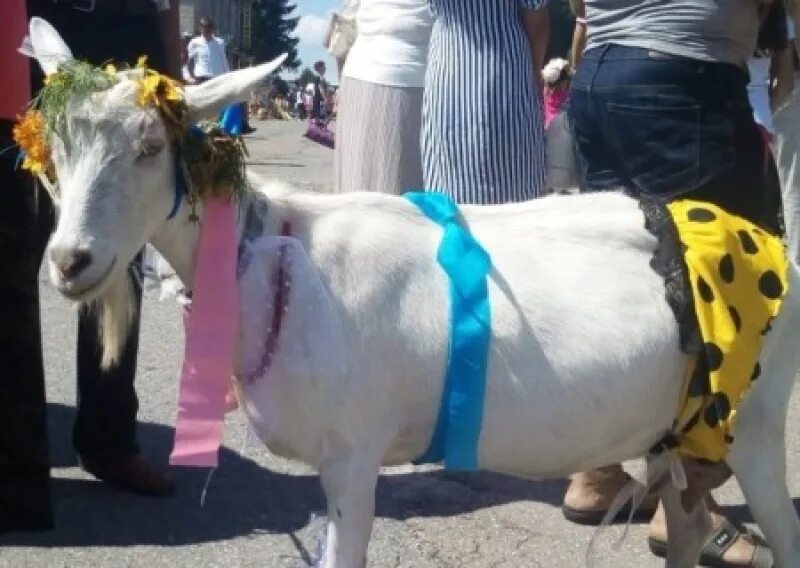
(150, 148)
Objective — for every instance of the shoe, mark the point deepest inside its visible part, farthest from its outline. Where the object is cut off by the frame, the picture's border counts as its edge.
(247, 129)
(131, 473)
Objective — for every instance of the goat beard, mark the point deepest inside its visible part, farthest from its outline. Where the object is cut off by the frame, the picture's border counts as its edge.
(115, 314)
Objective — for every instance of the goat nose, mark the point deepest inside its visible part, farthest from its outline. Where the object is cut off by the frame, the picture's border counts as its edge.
(71, 262)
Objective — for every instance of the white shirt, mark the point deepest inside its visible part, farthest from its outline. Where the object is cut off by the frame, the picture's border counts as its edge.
(391, 47)
(208, 56)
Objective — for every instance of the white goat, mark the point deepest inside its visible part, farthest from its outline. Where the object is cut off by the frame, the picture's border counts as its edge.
(584, 370)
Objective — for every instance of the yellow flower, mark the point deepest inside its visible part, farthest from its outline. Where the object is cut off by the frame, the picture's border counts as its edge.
(141, 62)
(29, 135)
(170, 89)
(148, 88)
(157, 90)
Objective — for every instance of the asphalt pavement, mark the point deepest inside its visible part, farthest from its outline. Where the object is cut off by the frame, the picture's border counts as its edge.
(261, 511)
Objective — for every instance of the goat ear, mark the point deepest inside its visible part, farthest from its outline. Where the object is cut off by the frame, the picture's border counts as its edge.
(46, 46)
(207, 100)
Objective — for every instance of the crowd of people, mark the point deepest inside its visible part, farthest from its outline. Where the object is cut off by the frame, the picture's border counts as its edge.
(440, 102)
(299, 100)
(316, 99)
(676, 100)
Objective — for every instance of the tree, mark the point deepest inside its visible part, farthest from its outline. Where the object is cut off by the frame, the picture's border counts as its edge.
(280, 87)
(272, 29)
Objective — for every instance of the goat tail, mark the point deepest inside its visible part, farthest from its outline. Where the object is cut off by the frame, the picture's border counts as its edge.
(115, 313)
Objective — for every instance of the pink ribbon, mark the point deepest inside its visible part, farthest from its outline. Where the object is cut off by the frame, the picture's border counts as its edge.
(211, 331)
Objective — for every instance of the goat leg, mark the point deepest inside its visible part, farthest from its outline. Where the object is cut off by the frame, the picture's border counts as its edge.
(349, 482)
(687, 530)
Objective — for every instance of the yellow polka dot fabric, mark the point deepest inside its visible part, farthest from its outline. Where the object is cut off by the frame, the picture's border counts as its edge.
(738, 276)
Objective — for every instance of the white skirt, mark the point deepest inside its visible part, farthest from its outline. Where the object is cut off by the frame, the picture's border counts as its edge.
(378, 138)
(787, 158)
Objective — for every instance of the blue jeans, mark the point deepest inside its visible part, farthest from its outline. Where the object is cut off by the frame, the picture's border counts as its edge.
(659, 126)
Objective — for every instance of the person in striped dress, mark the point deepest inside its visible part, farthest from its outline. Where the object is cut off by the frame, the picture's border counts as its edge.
(483, 124)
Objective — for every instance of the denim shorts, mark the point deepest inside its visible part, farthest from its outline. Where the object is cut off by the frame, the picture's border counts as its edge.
(663, 127)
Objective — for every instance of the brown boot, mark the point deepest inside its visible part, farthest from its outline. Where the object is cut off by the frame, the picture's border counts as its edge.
(590, 494)
(131, 473)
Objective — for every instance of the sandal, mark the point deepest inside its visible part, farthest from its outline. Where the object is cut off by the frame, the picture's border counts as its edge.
(719, 542)
(591, 493)
(593, 518)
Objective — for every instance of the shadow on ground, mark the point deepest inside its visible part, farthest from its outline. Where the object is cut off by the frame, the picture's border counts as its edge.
(243, 499)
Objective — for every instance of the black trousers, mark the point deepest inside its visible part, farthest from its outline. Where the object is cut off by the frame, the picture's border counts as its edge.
(105, 425)
(25, 220)
(105, 428)
(106, 420)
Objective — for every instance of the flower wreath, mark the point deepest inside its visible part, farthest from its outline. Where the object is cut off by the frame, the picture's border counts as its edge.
(214, 161)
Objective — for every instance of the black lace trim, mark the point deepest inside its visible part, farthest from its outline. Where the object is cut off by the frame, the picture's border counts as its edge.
(668, 263)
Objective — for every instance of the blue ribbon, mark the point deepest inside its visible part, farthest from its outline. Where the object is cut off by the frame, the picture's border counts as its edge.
(232, 119)
(467, 264)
